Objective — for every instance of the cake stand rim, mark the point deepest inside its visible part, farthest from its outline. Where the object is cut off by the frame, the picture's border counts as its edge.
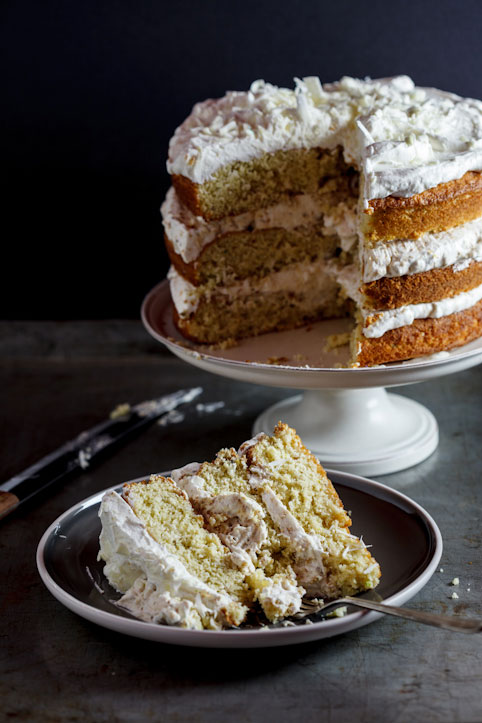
(296, 377)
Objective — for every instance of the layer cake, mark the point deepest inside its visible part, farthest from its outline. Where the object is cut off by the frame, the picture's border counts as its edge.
(361, 197)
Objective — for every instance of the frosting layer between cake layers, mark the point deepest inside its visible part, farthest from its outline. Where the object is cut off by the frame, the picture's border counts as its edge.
(190, 234)
(457, 247)
(377, 322)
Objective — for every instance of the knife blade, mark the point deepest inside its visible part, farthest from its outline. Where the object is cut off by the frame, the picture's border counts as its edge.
(81, 452)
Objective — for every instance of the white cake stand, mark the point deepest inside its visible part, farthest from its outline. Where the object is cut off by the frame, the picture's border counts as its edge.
(345, 416)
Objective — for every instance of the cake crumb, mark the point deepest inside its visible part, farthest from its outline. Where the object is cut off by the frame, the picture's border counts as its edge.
(220, 346)
(277, 360)
(121, 410)
(172, 417)
(454, 596)
(455, 581)
(441, 569)
(334, 341)
(84, 458)
(209, 407)
(338, 612)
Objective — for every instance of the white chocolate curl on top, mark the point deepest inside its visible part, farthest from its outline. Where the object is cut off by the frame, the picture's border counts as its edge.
(404, 139)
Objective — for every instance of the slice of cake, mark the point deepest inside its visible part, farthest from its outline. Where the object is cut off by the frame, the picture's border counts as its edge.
(360, 197)
(168, 567)
(305, 530)
(256, 529)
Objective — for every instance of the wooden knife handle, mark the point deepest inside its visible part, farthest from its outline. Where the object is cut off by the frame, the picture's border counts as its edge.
(8, 502)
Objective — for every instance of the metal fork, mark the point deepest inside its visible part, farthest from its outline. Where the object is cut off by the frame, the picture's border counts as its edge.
(448, 622)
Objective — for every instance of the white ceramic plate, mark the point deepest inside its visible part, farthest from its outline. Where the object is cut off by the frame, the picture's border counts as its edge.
(405, 540)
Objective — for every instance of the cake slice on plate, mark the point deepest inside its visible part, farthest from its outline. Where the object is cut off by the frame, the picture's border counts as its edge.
(292, 524)
(258, 528)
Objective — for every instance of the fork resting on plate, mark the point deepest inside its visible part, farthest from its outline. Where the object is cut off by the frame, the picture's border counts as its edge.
(448, 622)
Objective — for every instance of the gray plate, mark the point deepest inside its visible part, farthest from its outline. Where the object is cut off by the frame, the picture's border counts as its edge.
(405, 540)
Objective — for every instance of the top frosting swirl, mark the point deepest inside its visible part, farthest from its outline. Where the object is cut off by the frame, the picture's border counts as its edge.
(404, 139)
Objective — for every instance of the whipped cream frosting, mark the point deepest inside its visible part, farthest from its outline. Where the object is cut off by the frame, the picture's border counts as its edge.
(308, 563)
(379, 322)
(342, 221)
(189, 234)
(314, 278)
(403, 138)
(234, 517)
(456, 247)
(157, 586)
(185, 296)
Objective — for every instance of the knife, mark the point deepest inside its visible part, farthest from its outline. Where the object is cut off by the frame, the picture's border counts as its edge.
(79, 453)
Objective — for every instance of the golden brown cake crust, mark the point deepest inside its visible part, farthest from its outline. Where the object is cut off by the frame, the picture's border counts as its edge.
(427, 286)
(436, 209)
(471, 181)
(424, 336)
(187, 191)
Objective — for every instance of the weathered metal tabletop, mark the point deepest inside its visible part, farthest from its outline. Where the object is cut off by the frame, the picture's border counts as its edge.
(59, 378)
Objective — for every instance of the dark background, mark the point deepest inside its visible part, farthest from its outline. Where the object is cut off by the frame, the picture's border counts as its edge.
(94, 90)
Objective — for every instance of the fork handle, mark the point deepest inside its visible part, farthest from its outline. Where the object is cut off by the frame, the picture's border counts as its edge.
(448, 622)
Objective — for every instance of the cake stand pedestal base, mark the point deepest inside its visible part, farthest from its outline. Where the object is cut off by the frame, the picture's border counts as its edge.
(363, 431)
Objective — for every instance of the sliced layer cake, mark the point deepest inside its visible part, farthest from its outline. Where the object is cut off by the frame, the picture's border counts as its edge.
(360, 197)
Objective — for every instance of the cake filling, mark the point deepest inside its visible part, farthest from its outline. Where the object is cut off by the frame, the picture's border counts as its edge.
(236, 519)
(190, 234)
(459, 247)
(377, 323)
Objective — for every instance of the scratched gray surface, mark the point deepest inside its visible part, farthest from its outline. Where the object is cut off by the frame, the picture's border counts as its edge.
(59, 378)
